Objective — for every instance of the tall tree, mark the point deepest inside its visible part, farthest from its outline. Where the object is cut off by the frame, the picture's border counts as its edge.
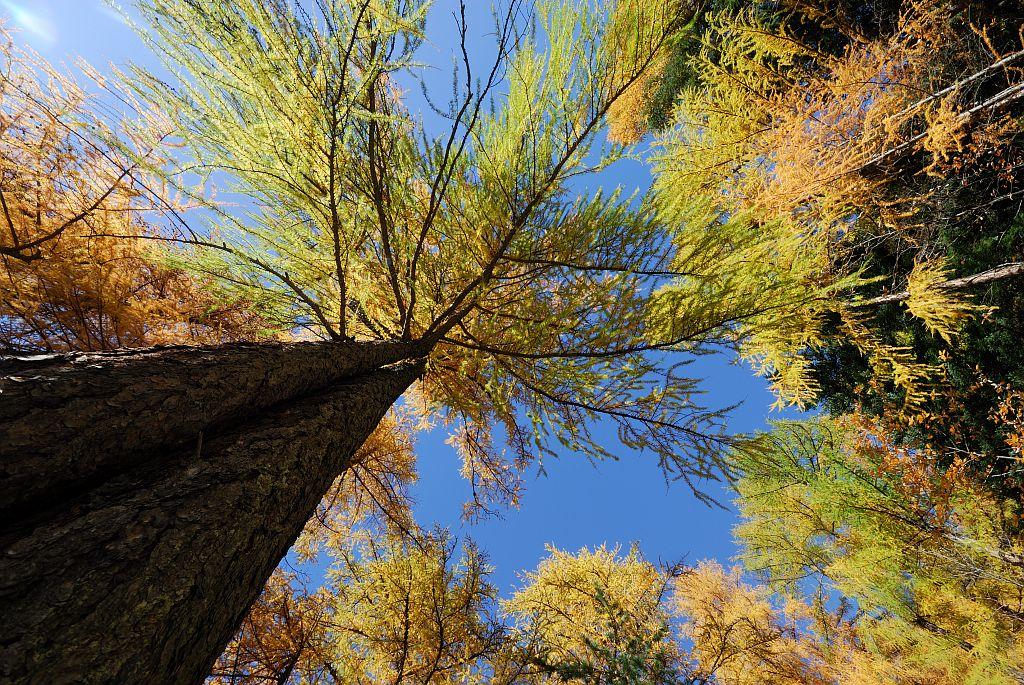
(529, 295)
(148, 562)
(740, 636)
(413, 612)
(596, 617)
(288, 631)
(468, 248)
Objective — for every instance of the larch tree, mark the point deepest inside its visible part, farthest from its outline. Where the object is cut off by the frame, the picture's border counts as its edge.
(442, 235)
(594, 617)
(417, 613)
(291, 632)
(284, 636)
(413, 611)
(465, 260)
(65, 286)
(932, 559)
(846, 176)
(740, 636)
(398, 610)
(826, 170)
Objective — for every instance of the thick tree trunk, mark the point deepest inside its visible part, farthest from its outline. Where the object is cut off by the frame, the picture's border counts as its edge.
(70, 422)
(144, 568)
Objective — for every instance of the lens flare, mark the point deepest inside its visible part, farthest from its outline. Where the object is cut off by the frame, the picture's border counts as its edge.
(33, 24)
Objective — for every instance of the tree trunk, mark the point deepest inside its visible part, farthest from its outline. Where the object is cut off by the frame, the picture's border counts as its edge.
(70, 422)
(143, 572)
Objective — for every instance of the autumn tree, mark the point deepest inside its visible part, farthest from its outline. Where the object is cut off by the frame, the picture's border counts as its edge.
(822, 177)
(398, 610)
(846, 178)
(931, 558)
(76, 271)
(383, 244)
(413, 610)
(594, 617)
(441, 235)
(742, 635)
(285, 634)
(648, 104)
(841, 182)
(399, 603)
(83, 270)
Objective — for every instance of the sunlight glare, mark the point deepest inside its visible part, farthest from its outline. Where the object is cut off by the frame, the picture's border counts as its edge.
(33, 24)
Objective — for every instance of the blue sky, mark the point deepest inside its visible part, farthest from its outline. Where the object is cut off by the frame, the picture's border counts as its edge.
(576, 504)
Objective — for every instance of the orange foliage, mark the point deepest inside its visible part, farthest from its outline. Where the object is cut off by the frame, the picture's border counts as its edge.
(920, 472)
(628, 116)
(866, 111)
(284, 633)
(78, 266)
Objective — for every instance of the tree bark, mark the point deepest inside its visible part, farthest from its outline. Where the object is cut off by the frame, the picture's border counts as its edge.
(70, 422)
(144, 574)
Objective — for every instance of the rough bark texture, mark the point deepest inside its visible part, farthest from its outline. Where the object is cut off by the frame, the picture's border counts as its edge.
(69, 422)
(145, 578)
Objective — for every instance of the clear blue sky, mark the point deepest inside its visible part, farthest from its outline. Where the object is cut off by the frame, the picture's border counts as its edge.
(576, 504)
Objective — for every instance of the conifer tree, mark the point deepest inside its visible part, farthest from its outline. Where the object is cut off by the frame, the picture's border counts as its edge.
(76, 272)
(369, 226)
(594, 617)
(414, 611)
(382, 244)
(932, 559)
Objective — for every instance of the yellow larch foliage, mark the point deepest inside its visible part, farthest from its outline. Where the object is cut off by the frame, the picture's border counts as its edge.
(411, 612)
(941, 310)
(627, 117)
(582, 609)
(638, 28)
(740, 638)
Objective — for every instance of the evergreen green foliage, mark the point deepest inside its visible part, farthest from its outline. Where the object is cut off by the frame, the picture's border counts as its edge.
(986, 356)
(678, 74)
(617, 657)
